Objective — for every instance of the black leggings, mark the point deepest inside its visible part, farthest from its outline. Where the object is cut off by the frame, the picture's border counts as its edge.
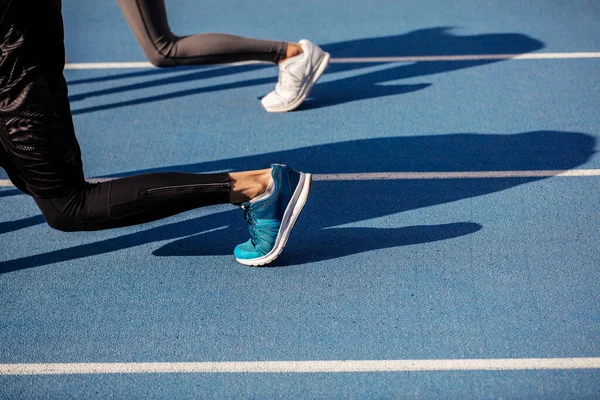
(148, 21)
(39, 150)
(134, 200)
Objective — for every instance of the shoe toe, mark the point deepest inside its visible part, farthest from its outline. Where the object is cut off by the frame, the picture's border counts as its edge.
(272, 100)
(246, 251)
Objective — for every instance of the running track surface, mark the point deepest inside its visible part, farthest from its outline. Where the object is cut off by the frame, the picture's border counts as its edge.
(449, 248)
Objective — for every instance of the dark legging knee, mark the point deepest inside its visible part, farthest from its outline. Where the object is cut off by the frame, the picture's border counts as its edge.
(77, 211)
(55, 219)
(58, 222)
(160, 59)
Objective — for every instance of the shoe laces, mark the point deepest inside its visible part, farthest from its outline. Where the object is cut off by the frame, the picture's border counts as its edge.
(286, 82)
(255, 228)
(252, 227)
(248, 215)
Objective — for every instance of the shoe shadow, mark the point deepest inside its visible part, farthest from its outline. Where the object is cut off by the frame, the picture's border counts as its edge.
(363, 200)
(325, 244)
(432, 41)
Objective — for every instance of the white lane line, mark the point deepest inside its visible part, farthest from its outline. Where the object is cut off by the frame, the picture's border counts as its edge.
(108, 65)
(360, 60)
(375, 176)
(455, 175)
(469, 57)
(333, 366)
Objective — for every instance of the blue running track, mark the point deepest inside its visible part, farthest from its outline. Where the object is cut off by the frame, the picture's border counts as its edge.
(454, 218)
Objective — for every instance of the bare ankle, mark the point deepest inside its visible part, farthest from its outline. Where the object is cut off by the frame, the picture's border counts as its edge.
(247, 185)
(293, 50)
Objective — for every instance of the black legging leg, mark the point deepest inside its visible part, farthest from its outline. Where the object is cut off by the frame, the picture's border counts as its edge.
(134, 200)
(148, 21)
(39, 149)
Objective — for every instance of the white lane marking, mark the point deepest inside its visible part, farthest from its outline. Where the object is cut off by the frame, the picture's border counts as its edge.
(470, 57)
(108, 65)
(375, 176)
(455, 175)
(335, 366)
(360, 60)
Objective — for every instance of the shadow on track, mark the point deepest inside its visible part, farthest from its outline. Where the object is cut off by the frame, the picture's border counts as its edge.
(432, 41)
(319, 234)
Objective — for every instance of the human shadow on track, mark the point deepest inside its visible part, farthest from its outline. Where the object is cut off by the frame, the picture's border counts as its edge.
(429, 42)
(171, 80)
(10, 192)
(425, 42)
(124, 75)
(10, 226)
(320, 233)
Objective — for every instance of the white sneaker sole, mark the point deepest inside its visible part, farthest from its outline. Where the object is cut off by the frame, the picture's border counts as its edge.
(310, 82)
(290, 216)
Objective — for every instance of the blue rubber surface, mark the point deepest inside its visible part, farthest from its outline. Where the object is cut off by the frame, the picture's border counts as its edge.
(413, 269)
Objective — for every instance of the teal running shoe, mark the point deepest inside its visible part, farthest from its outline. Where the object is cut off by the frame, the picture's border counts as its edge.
(272, 215)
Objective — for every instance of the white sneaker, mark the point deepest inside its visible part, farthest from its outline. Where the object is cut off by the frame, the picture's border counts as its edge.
(297, 75)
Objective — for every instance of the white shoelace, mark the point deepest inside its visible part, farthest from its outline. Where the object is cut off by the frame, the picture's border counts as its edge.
(286, 82)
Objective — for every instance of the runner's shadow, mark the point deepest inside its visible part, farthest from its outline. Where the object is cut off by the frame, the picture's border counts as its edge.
(11, 226)
(114, 77)
(335, 203)
(430, 42)
(170, 80)
(425, 42)
(11, 192)
(330, 243)
(225, 229)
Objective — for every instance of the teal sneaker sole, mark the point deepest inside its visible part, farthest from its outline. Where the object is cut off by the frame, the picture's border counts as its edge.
(290, 216)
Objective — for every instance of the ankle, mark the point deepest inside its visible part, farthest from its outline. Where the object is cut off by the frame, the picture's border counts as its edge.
(245, 186)
(293, 50)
